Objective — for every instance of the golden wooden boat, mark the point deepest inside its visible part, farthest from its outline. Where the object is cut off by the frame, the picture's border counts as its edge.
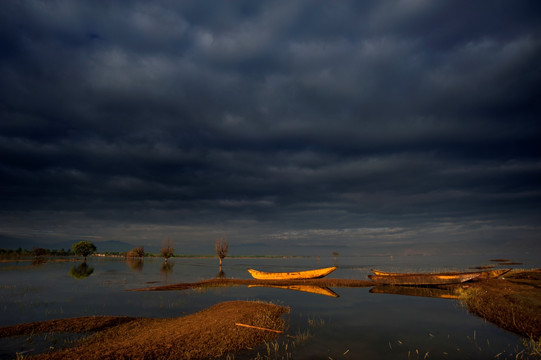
(482, 274)
(294, 275)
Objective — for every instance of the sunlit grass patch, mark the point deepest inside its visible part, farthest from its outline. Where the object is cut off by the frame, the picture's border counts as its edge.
(512, 306)
(284, 347)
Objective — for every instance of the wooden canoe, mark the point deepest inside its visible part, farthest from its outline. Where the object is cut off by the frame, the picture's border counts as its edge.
(483, 275)
(295, 275)
(424, 279)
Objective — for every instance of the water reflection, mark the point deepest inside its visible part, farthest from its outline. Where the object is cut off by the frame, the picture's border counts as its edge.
(222, 281)
(82, 271)
(39, 261)
(136, 264)
(166, 269)
(433, 292)
(304, 288)
(363, 323)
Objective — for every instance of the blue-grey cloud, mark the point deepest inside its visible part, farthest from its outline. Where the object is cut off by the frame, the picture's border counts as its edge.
(266, 119)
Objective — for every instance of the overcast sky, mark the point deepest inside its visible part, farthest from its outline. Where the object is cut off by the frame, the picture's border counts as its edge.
(355, 126)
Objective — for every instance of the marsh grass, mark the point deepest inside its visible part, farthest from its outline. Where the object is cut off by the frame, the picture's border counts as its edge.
(23, 347)
(513, 304)
(284, 347)
(532, 347)
(22, 298)
(471, 346)
(516, 311)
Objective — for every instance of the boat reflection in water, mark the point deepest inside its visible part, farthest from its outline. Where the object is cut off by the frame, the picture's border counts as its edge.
(433, 292)
(305, 288)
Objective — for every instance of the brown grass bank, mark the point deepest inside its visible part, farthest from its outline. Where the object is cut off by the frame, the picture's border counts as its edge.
(206, 334)
(512, 303)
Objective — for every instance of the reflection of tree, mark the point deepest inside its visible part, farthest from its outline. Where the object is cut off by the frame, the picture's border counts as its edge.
(221, 274)
(166, 269)
(39, 256)
(39, 261)
(82, 271)
(135, 263)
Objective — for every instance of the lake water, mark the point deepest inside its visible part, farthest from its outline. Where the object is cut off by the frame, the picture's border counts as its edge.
(356, 325)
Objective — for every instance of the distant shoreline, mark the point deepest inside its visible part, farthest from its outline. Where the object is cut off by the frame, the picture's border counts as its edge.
(29, 257)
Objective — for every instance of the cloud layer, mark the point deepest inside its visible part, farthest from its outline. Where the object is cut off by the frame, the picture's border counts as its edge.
(271, 121)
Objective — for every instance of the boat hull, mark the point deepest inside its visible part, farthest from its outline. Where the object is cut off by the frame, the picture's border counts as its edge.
(295, 275)
(491, 274)
(480, 275)
(423, 279)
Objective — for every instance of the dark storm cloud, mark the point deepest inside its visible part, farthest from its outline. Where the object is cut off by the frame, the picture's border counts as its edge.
(269, 120)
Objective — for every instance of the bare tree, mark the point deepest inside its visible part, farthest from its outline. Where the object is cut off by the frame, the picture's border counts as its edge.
(167, 249)
(335, 255)
(222, 247)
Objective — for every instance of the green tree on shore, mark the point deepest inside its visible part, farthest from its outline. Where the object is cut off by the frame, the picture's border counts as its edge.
(84, 248)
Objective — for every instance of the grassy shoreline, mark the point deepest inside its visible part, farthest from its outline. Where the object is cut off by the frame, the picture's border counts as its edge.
(209, 333)
(512, 303)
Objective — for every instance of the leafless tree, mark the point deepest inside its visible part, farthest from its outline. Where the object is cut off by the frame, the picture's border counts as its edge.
(167, 249)
(222, 247)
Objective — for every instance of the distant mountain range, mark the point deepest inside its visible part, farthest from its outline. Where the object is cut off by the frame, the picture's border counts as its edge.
(102, 246)
(113, 245)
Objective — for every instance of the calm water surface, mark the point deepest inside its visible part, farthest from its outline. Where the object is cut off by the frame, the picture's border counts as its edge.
(356, 325)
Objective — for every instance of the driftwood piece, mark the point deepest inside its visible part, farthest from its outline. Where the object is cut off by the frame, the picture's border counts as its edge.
(259, 328)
